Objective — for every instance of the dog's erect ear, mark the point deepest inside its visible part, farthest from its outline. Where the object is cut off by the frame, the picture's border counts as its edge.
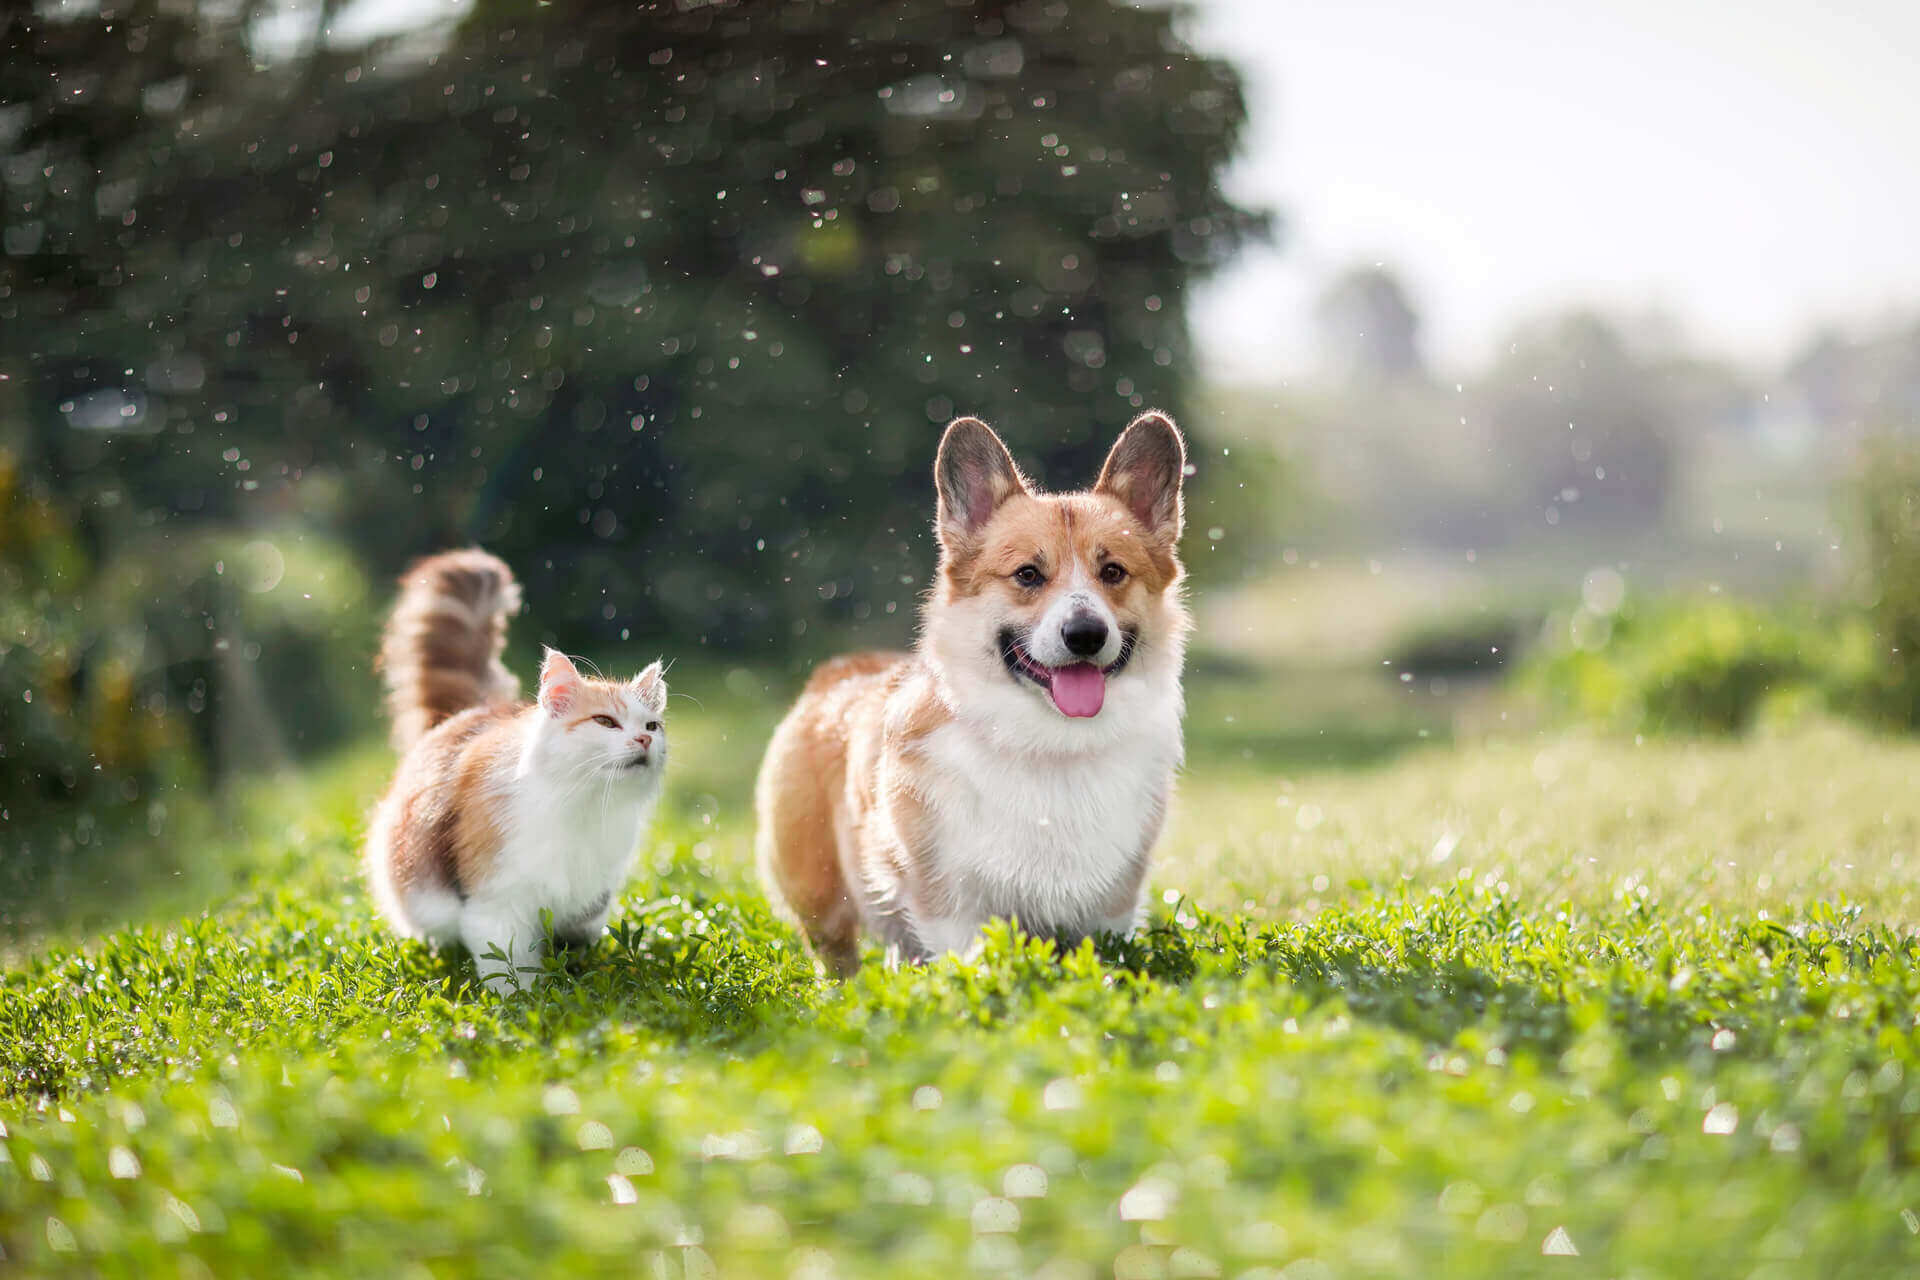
(974, 475)
(1144, 470)
(560, 683)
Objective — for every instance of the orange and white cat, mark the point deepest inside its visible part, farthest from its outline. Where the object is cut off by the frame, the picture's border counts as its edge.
(503, 810)
(1019, 762)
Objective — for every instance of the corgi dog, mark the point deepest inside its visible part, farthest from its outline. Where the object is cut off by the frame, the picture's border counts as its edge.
(503, 811)
(1019, 762)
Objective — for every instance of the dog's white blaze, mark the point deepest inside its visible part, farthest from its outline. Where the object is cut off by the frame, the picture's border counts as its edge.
(1048, 643)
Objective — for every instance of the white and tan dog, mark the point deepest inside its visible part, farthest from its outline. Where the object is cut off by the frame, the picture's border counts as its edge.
(1019, 762)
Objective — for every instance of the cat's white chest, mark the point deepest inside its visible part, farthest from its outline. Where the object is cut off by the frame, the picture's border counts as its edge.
(568, 858)
(1050, 840)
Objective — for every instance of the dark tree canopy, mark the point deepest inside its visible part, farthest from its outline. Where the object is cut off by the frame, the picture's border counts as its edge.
(665, 302)
(716, 276)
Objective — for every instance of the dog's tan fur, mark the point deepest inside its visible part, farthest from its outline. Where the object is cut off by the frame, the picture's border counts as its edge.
(850, 790)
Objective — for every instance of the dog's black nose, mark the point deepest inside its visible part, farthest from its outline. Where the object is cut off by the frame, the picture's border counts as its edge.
(1084, 634)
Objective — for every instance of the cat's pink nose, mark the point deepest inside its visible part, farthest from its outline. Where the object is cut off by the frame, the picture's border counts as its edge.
(643, 740)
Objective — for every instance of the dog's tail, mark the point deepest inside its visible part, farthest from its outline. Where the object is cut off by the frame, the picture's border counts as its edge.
(440, 653)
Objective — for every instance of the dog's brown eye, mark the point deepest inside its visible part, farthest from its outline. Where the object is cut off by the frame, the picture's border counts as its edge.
(1113, 574)
(608, 721)
(1028, 575)
(653, 726)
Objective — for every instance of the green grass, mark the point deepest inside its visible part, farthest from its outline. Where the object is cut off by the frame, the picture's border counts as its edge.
(1409, 1009)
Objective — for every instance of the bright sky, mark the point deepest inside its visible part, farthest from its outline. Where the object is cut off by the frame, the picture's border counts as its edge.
(1752, 166)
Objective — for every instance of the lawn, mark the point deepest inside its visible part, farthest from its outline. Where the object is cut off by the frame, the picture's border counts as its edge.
(1423, 995)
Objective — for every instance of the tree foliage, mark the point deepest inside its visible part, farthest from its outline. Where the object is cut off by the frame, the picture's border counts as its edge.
(664, 302)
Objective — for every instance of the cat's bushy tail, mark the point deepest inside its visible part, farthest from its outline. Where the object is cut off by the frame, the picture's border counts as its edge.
(440, 653)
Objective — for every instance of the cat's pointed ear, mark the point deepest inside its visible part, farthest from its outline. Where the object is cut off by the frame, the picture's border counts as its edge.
(1144, 471)
(560, 683)
(973, 474)
(651, 684)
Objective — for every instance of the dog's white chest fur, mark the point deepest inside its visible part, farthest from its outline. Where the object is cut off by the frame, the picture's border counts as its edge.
(1058, 841)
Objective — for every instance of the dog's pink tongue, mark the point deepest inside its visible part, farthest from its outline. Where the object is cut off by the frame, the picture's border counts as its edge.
(1079, 690)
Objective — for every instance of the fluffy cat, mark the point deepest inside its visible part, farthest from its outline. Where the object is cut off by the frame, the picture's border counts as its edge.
(503, 809)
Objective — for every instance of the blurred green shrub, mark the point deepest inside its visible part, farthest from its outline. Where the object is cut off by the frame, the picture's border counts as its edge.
(1719, 665)
(73, 724)
(1886, 497)
(1713, 665)
(130, 683)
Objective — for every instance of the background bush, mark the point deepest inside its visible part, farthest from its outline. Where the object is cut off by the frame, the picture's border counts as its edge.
(136, 681)
(1887, 496)
(1707, 665)
(1714, 664)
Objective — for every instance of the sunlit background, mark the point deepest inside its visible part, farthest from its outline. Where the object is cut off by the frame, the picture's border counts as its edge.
(1741, 171)
(1543, 365)
(1678, 235)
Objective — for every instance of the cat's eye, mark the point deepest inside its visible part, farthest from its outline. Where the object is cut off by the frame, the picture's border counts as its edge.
(1113, 573)
(653, 726)
(607, 721)
(1029, 575)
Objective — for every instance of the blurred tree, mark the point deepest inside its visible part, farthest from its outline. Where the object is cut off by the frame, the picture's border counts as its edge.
(1886, 496)
(1822, 377)
(1583, 424)
(1369, 329)
(1853, 389)
(664, 302)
